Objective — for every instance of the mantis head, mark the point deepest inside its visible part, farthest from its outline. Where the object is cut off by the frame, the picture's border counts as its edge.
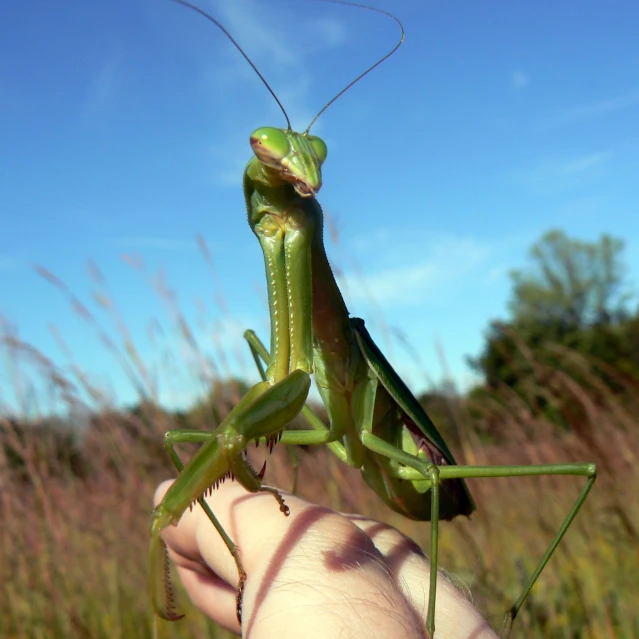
(297, 157)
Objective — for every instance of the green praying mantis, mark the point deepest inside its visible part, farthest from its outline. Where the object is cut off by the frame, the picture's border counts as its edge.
(375, 422)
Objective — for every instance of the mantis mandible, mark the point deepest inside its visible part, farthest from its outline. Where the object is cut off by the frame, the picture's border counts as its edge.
(375, 422)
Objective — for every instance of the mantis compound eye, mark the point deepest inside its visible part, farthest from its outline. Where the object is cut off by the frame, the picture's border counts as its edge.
(270, 145)
(319, 147)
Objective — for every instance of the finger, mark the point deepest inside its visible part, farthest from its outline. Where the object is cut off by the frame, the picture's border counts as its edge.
(455, 616)
(313, 574)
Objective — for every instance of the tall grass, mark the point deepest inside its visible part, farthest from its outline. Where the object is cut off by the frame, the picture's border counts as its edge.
(75, 505)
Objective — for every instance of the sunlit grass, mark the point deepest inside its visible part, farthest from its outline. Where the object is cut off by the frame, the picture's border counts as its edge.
(75, 510)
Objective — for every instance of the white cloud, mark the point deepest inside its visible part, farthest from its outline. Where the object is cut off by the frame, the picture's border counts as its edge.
(250, 23)
(594, 109)
(581, 164)
(497, 273)
(372, 242)
(552, 172)
(270, 32)
(428, 267)
(519, 80)
(389, 286)
(332, 33)
(276, 40)
(229, 165)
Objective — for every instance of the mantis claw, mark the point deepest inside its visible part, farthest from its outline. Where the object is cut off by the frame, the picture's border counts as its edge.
(240, 595)
(280, 500)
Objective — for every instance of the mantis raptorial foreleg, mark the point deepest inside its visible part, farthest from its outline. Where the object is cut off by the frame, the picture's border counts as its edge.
(263, 412)
(171, 438)
(261, 355)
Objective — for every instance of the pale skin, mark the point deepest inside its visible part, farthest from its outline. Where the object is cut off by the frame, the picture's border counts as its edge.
(316, 573)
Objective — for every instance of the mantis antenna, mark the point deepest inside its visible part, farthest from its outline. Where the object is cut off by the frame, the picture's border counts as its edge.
(239, 48)
(361, 75)
(263, 79)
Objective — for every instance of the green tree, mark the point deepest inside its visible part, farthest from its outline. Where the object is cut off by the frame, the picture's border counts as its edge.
(573, 294)
(571, 285)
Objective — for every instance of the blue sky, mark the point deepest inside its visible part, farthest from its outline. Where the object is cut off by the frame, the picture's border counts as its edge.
(125, 127)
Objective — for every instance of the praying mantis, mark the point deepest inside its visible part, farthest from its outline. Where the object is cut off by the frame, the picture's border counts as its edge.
(375, 422)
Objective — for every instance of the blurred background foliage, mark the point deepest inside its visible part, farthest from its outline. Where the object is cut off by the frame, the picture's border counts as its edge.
(559, 383)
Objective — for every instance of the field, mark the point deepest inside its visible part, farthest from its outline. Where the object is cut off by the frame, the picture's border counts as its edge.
(75, 510)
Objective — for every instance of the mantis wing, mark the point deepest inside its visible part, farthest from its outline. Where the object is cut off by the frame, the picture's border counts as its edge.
(455, 496)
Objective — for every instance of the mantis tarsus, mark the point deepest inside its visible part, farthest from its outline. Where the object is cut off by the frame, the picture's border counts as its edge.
(375, 423)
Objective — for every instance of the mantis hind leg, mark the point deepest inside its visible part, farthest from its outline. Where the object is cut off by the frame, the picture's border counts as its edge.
(411, 471)
(410, 467)
(364, 409)
(590, 472)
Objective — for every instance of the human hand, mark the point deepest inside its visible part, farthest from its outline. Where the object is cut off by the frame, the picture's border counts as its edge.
(316, 573)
